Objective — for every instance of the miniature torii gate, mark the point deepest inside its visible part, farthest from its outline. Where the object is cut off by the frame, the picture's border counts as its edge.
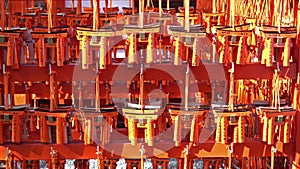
(274, 117)
(187, 33)
(84, 35)
(92, 118)
(133, 115)
(13, 36)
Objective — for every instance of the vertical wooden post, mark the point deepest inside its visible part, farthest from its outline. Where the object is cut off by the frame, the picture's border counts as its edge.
(149, 54)
(97, 94)
(107, 94)
(268, 52)
(287, 128)
(106, 4)
(105, 134)
(96, 15)
(148, 4)
(49, 11)
(83, 46)
(186, 88)
(265, 129)
(241, 123)
(160, 7)
(193, 131)
(12, 93)
(195, 55)
(150, 132)
(44, 130)
(110, 4)
(214, 6)
(1, 96)
(224, 130)
(168, 4)
(1, 132)
(176, 55)
(244, 50)
(87, 132)
(59, 51)
(218, 131)
(6, 89)
(16, 53)
(269, 61)
(16, 133)
(54, 13)
(141, 14)
(41, 52)
(3, 14)
(72, 4)
(33, 122)
(141, 100)
(59, 130)
(9, 16)
(232, 13)
(80, 98)
(132, 131)
(131, 55)
(53, 91)
(10, 51)
(286, 52)
(133, 7)
(270, 132)
(102, 54)
(297, 15)
(187, 15)
(235, 134)
(79, 6)
(228, 11)
(177, 129)
(239, 56)
(22, 6)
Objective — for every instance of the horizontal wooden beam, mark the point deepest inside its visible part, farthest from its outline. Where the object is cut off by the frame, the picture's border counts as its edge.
(170, 72)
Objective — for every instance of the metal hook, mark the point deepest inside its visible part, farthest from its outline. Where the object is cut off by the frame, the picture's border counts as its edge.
(277, 66)
(3, 69)
(52, 152)
(7, 152)
(50, 69)
(274, 148)
(97, 68)
(142, 150)
(98, 151)
(231, 148)
(186, 150)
